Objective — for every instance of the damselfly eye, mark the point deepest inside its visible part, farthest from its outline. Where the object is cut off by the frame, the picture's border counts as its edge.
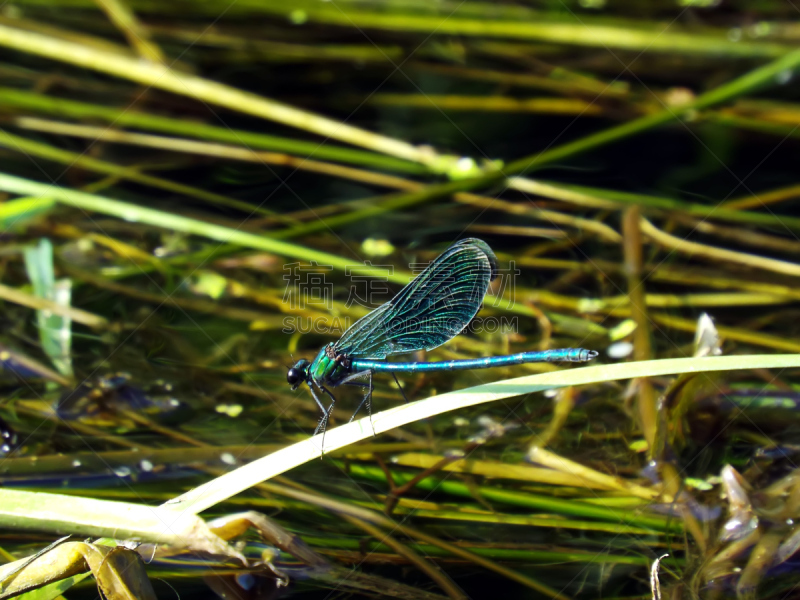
(295, 376)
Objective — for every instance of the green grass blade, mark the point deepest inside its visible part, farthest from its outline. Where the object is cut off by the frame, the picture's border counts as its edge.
(55, 331)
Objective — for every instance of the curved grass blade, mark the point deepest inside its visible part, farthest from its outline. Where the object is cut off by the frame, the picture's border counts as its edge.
(230, 484)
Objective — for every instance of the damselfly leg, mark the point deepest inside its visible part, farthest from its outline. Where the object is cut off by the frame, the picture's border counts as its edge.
(323, 422)
(354, 380)
(400, 387)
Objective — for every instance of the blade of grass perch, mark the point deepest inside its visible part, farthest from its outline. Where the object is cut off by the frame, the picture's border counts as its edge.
(230, 484)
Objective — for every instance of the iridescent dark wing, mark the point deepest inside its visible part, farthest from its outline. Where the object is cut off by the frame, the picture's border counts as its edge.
(435, 307)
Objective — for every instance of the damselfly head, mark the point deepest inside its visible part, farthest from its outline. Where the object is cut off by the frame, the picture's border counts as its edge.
(298, 373)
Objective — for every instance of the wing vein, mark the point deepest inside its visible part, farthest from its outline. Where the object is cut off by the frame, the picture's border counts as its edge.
(435, 307)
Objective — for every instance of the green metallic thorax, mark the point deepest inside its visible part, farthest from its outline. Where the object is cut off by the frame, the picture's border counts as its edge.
(325, 369)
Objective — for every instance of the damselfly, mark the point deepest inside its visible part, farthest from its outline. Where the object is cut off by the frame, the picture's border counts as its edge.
(435, 307)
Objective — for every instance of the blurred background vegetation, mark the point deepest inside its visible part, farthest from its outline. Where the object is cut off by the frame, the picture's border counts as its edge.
(167, 167)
